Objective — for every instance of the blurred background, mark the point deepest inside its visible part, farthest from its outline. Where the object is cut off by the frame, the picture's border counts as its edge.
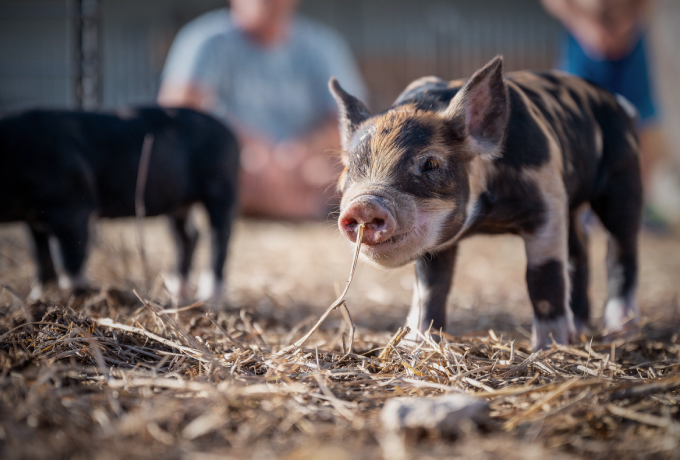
(110, 53)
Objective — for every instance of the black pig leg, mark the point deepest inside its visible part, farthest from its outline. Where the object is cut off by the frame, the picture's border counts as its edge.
(43, 258)
(619, 207)
(434, 276)
(578, 261)
(186, 237)
(548, 280)
(621, 310)
(70, 227)
(222, 213)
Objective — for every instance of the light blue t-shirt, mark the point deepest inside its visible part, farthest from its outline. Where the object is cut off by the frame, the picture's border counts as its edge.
(280, 90)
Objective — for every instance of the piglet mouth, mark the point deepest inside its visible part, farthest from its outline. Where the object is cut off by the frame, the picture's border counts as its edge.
(394, 239)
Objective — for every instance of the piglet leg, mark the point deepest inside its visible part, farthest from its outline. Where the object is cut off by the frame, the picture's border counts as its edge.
(548, 282)
(434, 276)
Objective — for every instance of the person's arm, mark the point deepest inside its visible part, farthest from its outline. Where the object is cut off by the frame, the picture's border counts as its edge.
(184, 94)
(190, 80)
(606, 30)
(336, 58)
(191, 68)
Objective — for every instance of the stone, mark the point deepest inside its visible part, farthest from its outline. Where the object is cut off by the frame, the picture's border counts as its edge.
(444, 414)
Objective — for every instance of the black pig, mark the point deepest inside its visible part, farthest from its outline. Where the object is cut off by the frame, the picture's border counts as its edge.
(57, 168)
(516, 154)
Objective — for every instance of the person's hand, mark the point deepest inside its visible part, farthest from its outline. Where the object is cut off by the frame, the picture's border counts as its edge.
(184, 95)
(291, 178)
(605, 30)
(613, 42)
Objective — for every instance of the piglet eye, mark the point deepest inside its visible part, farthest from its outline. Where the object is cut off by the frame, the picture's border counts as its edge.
(431, 164)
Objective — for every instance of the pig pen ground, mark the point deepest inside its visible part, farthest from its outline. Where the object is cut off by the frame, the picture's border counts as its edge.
(104, 376)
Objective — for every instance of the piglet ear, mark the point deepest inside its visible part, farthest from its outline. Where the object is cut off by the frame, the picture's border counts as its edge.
(352, 112)
(480, 108)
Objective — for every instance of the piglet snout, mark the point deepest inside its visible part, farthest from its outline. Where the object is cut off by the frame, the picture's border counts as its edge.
(379, 224)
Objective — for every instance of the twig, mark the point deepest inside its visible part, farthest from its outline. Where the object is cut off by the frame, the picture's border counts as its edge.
(140, 208)
(108, 322)
(179, 310)
(394, 341)
(174, 326)
(334, 305)
(639, 417)
(566, 386)
(43, 323)
(350, 321)
(96, 352)
(479, 385)
(236, 343)
(645, 389)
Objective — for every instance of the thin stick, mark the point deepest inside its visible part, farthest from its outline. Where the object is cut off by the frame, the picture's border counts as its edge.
(205, 352)
(636, 389)
(350, 322)
(237, 344)
(178, 310)
(334, 305)
(394, 341)
(649, 419)
(108, 322)
(563, 388)
(140, 209)
(96, 352)
(44, 323)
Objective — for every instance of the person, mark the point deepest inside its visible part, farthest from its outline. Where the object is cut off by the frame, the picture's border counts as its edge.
(606, 43)
(264, 70)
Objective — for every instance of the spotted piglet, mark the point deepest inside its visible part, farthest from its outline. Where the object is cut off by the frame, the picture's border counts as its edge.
(520, 153)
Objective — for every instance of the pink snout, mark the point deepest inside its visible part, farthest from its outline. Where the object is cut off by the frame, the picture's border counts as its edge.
(379, 225)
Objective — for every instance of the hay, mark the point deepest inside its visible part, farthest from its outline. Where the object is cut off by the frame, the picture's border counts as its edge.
(136, 378)
(209, 379)
(338, 302)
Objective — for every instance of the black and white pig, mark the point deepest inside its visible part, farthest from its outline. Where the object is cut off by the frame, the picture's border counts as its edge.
(520, 153)
(58, 168)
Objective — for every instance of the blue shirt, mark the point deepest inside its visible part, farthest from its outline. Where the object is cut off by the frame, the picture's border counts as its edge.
(280, 90)
(627, 76)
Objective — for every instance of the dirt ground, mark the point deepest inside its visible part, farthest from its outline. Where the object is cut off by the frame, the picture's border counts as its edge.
(291, 270)
(285, 273)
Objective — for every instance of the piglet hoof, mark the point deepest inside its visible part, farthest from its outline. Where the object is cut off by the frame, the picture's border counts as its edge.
(40, 290)
(560, 330)
(177, 286)
(621, 319)
(210, 290)
(78, 284)
(415, 337)
(36, 292)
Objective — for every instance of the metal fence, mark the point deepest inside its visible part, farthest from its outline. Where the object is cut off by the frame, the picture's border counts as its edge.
(90, 53)
(37, 46)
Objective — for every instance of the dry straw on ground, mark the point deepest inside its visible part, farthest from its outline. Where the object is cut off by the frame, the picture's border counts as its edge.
(135, 379)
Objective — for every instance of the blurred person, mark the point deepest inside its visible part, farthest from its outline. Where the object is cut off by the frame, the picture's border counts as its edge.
(264, 70)
(606, 44)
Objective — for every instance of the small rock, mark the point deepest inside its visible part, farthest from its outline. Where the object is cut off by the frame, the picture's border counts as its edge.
(442, 413)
